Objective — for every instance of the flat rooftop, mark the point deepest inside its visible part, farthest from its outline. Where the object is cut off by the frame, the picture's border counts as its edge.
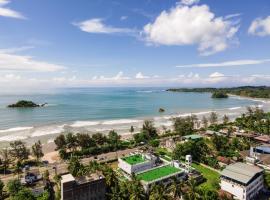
(192, 137)
(82, 179)
(134, 159)
(67, 178)
(157, 173)
(241, 172)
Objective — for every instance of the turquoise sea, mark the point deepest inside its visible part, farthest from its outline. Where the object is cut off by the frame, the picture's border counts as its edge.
(102, 109)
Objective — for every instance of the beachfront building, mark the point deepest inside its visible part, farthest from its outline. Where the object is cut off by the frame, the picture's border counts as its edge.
(136, 163)
(83, 188)
(163, 174)
(241, 180)
(149, 171)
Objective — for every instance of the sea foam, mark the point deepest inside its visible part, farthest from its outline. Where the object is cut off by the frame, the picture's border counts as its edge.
(235, 108)
(48, 131)
(9, 138)
(84, 123)
(15, 129)
(121, 121)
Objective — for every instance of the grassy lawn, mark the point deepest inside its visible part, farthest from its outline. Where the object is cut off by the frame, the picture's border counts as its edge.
(157, 173)
(212, 177)
(134, 159)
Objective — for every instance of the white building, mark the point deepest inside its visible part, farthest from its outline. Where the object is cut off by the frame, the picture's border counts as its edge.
(136, 163)
(243, 181)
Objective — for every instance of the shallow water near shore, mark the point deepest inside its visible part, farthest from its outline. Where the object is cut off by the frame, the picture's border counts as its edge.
(103, 109)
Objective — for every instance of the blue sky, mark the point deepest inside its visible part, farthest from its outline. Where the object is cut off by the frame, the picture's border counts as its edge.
(81, 43)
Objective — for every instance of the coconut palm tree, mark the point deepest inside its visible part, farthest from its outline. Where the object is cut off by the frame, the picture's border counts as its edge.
(135, 188)
(5, 159)
(176, 189)
(192, 191)
(159, 192)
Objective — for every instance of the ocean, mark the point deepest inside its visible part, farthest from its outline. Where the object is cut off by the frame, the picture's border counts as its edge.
(102, 109)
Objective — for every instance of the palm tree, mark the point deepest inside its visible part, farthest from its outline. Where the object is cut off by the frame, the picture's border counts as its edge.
(225, 119)
(149, 129)
(205, 122)
(115, 193)
(176, 189)
(192, 190)
(37, 151)
(159, 192)
(5, 159)
(136, 190)
(110, 175)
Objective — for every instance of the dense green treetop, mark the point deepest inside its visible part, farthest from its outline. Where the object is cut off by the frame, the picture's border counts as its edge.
(219, 95)
(246, 91)
(25, 104)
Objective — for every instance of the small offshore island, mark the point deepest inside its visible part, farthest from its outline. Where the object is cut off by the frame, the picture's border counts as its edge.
(244, 91)
(25, 104)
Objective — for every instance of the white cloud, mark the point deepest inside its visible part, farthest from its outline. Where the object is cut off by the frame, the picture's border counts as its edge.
(232, 15)
(118, 77)
(122, 18)
(26, 63)
(96, 25)
(14, 82)
(139, 75)
(189, 2)
(260, 27)
(193, 75)
(16, 49)
(227, 63)
(195, 25)
(7, 12)
(216, 75)
(12, 77)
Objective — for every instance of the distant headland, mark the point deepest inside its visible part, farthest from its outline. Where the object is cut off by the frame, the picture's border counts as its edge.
(25, 104)
(245, 91)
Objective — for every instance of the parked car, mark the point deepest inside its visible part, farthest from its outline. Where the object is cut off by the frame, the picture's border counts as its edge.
(30, 178)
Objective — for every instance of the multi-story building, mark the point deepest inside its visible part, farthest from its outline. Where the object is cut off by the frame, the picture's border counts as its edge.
(90, 187)
(163, 174)
(243, 181)
(136, 163)
(149, 172)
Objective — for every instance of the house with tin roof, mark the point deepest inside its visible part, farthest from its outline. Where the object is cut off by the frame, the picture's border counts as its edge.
(243, 181)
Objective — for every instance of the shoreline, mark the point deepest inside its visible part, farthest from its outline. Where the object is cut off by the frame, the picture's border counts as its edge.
(47, 133)
(119, 125)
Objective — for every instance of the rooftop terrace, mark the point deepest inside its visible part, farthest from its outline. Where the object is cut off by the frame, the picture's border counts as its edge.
(134, 159)
(157, 173)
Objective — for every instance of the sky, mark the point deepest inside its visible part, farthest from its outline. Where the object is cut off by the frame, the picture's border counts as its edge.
(104, 43)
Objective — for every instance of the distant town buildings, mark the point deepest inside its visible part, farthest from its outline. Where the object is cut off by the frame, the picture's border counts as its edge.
(241, 180)
(90, 187)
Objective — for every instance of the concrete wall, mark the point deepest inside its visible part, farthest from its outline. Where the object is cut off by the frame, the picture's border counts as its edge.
(234, 189)
(242, 192)
(87, 191)
(148, 164)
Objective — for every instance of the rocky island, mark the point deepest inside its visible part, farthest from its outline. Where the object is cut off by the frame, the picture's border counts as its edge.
(25, 104)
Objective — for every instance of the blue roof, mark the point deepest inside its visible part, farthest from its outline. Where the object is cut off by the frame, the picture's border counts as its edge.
(263, 149)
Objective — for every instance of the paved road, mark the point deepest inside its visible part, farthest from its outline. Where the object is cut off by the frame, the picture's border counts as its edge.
(61, 167)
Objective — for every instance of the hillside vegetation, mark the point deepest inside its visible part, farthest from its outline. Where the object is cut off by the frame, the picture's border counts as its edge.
(245, 91)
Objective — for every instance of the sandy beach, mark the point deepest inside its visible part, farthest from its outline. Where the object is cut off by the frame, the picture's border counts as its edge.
(47, 134)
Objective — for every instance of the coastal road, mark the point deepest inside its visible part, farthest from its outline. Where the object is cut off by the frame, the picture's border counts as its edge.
(61, 168)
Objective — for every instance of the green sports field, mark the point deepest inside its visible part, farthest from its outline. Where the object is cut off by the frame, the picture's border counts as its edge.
(134, 159)
(157, 173)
